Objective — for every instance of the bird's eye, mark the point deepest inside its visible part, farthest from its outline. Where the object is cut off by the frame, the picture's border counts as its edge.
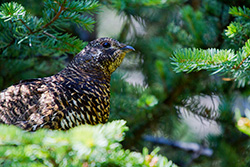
(106, 45)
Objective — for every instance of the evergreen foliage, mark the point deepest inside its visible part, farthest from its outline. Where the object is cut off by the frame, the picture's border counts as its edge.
(81, 146)
(168, 27)
(231, 62)
(27, 31)
(40, 40)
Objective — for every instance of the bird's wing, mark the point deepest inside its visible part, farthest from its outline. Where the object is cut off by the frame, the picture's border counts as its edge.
(29, 104)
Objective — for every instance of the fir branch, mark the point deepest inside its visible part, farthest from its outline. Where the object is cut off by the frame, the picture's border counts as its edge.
(50, 35)
(188, 60)
(194, 147)
(26, 25)
(239, 65)
(231, 62)
(193, 105)
(62, 8)
(31, 30)
(11, 43)
(242, 12)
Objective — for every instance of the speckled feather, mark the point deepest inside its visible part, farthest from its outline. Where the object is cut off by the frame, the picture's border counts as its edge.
(79, 94)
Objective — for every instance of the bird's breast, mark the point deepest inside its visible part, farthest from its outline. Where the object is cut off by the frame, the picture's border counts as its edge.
(85, 103)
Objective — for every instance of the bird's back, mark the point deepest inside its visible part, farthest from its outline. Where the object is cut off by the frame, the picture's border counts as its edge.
(20, 104)
(56, 102)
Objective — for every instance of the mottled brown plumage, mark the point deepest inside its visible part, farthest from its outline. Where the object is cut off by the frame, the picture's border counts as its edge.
(78, 94)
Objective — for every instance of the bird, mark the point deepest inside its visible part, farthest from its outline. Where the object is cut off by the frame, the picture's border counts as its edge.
(78, 94)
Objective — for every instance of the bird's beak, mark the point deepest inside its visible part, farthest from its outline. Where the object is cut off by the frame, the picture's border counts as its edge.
(128, 48)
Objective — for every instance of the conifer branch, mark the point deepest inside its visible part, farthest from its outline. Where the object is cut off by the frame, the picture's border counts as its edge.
(62, 7)
(240, 12)
(11, 43)
(14, 15)
(237, 67)
(231, 62)
(25, 25)
(194, 147)
(52, 36)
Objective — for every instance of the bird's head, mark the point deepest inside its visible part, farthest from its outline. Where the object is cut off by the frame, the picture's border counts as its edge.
(104, 54)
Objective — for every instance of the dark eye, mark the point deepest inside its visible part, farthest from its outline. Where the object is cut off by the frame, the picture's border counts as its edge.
(106, 45)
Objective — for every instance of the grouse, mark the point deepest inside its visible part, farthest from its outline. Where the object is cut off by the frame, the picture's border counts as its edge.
(79, 94)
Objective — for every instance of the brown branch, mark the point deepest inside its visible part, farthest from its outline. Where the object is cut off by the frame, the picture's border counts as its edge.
(2, 49)
(25, 25)
(228, 79)
(238, 66)
(62, 8)
(13, 40)
(46, 25)
(244, 15)
(50, 35)
(56, 16)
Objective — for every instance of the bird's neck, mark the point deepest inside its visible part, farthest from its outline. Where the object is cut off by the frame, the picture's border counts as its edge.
(85, 73)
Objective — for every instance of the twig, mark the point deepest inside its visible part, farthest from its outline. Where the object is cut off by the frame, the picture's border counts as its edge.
(52, 36)
(56, 16)
(25, 25)
(8, 145)
(12, 42)
(62, 8)
(238, 66)
(194, 147)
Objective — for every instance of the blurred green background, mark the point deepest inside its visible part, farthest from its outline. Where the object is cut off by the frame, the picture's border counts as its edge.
(189, 116)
